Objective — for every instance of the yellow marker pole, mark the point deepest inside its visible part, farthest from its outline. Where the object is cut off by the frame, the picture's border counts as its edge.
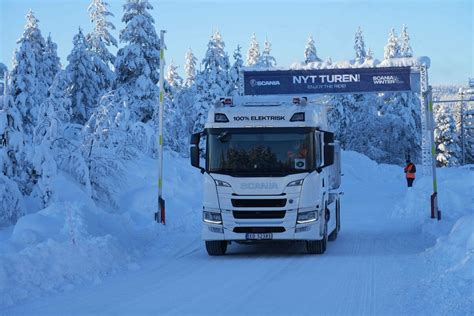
(160, 214)
(435, 212)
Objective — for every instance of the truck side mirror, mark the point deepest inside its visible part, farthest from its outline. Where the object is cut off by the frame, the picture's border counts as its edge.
(328, 155)
(194, 151)
(328, 148)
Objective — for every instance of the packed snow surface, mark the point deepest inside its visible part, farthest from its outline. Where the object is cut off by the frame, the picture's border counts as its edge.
(73, 258)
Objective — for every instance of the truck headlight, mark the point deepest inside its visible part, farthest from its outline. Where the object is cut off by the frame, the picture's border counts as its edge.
(295, 183)
(221, 183)
(211, 217)
(307, 217)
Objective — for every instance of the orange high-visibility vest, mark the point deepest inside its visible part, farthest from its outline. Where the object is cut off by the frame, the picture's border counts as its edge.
(409, 174)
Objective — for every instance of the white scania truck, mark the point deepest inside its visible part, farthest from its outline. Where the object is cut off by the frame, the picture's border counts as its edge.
(272, 172)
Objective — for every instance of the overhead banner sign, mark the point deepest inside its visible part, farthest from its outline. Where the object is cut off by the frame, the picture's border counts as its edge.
(348, 80)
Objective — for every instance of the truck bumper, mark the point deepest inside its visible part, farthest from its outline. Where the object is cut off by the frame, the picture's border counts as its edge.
(281, 229)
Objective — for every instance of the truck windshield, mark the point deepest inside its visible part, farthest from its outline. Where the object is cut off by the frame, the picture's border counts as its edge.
(260, 151)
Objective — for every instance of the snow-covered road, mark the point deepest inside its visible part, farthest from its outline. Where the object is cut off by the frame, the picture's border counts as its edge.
(377, 266)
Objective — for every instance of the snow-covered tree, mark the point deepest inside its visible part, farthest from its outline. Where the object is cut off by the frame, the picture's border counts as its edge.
(85, 86)
(13, 171)
(235, 69)
(392, 48)
(172, 76)
(138, 62)
(266, 59)
(3, 71)
(12, 141)
(28, 84)
(401, 114)
(98, 42)
(448, 151)
(405, 48)
(104, 144)
(101, 38)
(190, 68)
(370, 54)
(310, 53)
(213, 81)
(253, 54)
(55, 147)
(359, 46)
(51, 63)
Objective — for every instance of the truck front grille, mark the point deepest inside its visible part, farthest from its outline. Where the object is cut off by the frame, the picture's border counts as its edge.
(258, 214)
(259, 229)
(258, 202)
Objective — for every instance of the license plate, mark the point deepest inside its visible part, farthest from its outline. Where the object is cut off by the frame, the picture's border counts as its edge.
(259, 236)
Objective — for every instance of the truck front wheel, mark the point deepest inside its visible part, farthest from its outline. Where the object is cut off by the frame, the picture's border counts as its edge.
(318, 246)
(216, 247)
(333, 235)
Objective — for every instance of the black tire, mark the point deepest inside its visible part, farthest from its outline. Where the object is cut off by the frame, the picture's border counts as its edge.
(216, 247)
(333, 235)
(318, 247)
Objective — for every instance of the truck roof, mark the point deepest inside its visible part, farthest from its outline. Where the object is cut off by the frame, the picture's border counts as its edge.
(251, 112)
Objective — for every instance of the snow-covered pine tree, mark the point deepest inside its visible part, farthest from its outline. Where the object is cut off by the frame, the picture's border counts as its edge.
(401, 117)
(266, 59)
(448, 151)
(359, 46)
(253, 54)
(392, 48)
(405, 48)
(310, 53)
(370, 54)
(28, 84)
(174, 79)
(235, 69)
(32, 33)
(213, 81)
(101, 38)
(98, 43)
(173, 116)
(105, 146)
(190, 68)
(3, 72)
(138, 62)
(85, 85)
(13, 174)
(51, 63)
(56, 147)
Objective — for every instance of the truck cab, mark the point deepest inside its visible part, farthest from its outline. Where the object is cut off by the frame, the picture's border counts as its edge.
(271, 171)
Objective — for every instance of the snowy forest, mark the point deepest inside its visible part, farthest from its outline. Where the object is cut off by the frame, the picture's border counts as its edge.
(86, 117)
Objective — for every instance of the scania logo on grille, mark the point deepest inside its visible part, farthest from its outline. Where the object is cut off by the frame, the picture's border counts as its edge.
(259, 186)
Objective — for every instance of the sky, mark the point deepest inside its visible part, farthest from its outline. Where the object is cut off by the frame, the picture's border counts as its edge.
(442, 30)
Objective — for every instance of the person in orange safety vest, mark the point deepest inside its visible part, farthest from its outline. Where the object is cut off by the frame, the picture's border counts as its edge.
(410, 171)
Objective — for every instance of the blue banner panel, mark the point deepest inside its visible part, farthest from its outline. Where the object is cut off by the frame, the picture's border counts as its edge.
(349, 80)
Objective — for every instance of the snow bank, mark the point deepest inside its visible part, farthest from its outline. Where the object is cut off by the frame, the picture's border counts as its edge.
(68, 243)
(74, 242)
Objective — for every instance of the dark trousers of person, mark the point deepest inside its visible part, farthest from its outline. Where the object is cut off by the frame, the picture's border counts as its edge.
(410, 182)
